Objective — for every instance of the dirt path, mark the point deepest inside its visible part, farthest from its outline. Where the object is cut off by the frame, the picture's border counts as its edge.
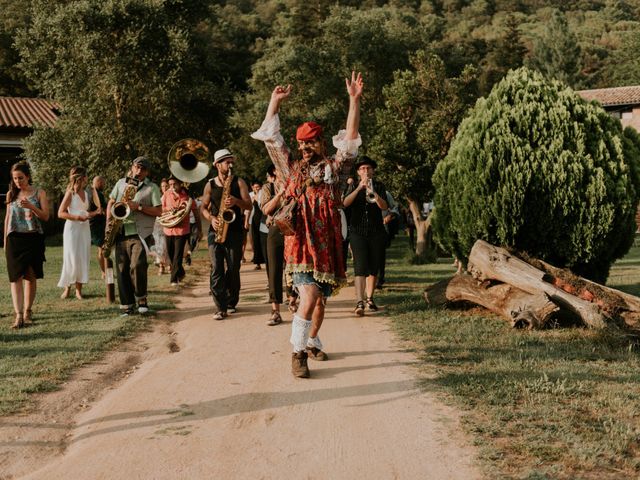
(217, 400)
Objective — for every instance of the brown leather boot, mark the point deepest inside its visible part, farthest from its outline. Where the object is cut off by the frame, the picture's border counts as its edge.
(299, 366)
(316, 354)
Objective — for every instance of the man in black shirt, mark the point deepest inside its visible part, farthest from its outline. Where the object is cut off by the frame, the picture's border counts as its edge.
(226, 254)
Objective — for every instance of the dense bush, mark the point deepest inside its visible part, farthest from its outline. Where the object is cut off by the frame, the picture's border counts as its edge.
(535, 167)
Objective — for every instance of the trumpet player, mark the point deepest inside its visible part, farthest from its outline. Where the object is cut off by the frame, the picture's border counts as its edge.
(177, 203)
(224, 200)
(367, 234)
(136, 236)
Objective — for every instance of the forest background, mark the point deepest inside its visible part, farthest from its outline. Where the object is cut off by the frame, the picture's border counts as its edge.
(134, 76)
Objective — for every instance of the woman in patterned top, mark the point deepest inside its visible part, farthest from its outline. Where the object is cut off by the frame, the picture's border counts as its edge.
(313, 255)
(27, 208)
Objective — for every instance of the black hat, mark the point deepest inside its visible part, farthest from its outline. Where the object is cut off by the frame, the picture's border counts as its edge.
(143, 162)
(364, 160)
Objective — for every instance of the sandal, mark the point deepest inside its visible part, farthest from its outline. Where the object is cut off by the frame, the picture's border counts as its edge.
(359, 310)
(19, 323)
(28, 317)
(275, 319)
(371, 304)
(65, 292)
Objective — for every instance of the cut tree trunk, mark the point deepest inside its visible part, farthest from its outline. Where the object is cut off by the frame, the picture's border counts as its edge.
(488, 262)
(520, 308)
(424, 241)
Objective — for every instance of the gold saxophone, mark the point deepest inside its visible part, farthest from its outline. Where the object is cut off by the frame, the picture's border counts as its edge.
(119, 212)
(225, 215)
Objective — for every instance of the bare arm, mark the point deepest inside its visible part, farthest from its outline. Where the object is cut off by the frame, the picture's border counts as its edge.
(244, 202)
(6, 224)
(279, 94)
(109, 205)
(270, 204)
(204, 208)
(349, 199)
(43, 212)
(354, 89)
(151, 211)
(63, 210)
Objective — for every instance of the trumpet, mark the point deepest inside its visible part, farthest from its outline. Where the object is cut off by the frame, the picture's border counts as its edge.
(370, 192)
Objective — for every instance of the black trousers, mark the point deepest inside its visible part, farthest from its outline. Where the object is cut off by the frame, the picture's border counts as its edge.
(258, 253)
(175, 251)
(193, 236)
(368, 252)
(274, 246)
(225, 269)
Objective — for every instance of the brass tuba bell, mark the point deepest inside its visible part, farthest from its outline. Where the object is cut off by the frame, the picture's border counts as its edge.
(189, 160)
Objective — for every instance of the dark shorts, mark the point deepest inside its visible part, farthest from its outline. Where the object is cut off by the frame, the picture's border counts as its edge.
(368, 252)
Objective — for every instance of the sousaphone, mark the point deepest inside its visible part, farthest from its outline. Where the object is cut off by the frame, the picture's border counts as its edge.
(189, 160)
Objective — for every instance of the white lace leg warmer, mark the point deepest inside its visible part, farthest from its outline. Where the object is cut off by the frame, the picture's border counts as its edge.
(299, 333)
(314, 342)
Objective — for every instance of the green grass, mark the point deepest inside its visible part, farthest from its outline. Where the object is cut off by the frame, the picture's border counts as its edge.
(67, 333)
(561, 403)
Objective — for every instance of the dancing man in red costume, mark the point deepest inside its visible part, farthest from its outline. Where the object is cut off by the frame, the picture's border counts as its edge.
(313, 255)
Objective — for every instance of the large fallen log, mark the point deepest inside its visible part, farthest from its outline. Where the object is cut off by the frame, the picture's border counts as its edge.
(521, 309)
(606, 297)
(488, 262)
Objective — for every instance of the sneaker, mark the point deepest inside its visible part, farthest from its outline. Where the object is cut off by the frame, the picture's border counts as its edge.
(187, 260)
(143, 307)
(316, 354)
(257, 267)
(127, 312)
(231, 310)
(299, 366)
(359, 311)
(220, 316)
(275, 319)
(174, 284)
(371, 304)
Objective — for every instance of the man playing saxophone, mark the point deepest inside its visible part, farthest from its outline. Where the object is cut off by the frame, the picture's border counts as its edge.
(223, 201)
(135, 237)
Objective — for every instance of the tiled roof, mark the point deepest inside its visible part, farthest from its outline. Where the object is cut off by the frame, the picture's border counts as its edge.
(27, 112)
(613, 96)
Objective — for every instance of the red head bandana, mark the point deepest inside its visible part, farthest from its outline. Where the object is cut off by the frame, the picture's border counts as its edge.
(308, 131)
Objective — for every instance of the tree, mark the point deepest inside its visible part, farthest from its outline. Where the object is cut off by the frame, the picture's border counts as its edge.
(422, 110)
(376, 41)
(623, 65)
(536, 168)
(12, 81)
(556, 53)
(505, 53)
(131, 79)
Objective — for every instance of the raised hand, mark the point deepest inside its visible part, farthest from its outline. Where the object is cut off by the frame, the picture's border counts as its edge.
(280, 92)
(355, 85)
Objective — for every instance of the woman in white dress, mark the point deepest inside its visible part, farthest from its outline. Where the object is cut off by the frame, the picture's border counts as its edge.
(76, 239)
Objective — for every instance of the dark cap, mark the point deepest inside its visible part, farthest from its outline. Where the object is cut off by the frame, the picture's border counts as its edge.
(364, 160)
(143, 162)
